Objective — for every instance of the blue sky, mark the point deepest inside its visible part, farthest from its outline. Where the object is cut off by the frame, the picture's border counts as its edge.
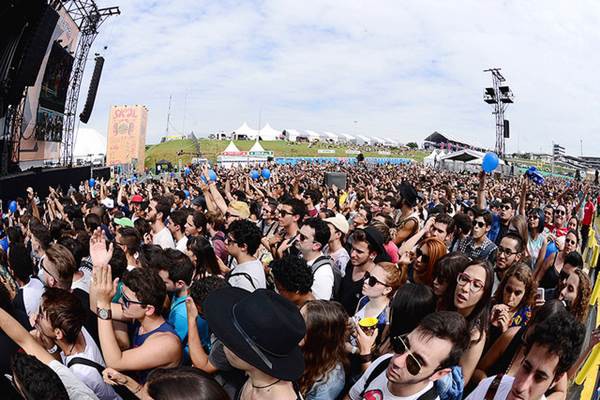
(402, 69)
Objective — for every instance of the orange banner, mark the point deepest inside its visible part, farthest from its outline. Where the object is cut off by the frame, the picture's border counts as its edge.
(127, 136)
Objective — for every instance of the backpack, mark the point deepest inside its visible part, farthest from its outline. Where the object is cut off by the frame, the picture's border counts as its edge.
(337, 274)
(244, 274)
(431, 394)
(122, 391)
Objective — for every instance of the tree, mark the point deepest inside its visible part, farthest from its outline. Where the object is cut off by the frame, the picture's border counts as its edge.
(412, 145)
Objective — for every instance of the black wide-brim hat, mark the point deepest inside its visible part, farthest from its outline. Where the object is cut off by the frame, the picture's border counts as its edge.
(260, 327)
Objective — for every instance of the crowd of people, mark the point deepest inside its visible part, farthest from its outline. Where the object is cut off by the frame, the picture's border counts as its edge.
(407, 283)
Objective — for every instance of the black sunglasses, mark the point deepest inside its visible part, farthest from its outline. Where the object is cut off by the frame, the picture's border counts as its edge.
(424, 257)
(372, 281)
(283, 213)
(400, 347)
(560, 212)
(127, 302)
(480, 224)
(506, 207)
(504, 250)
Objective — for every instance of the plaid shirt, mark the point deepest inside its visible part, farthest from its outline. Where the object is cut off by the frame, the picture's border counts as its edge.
(487, 250)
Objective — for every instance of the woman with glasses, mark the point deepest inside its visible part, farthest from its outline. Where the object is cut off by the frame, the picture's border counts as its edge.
(378, 289)
(560, 215)
(470, 296)
(445, 272)
(548, 273)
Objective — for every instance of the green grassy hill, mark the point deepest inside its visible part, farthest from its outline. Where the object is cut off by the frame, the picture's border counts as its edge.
(212, 148)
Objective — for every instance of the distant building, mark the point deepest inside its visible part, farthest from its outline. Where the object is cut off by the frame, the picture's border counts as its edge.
(127, 136)
(443, 142)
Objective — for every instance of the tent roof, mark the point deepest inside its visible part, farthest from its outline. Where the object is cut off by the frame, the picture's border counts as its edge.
(294, 132)
(257, 147)
(463, 155)
(246, 130)
(231, 148)
(378, 139)
(268, 132)
(347, 136)
(331, 135)
(89, 141)
(363, 137)
(313, 134)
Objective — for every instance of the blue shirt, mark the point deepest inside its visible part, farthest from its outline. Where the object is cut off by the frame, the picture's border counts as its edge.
(178, 317)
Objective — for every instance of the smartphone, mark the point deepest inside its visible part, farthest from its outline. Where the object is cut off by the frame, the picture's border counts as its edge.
(541, 294)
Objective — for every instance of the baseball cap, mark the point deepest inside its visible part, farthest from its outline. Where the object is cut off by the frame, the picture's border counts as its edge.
(339, 222)
(125, 222)
(137, 198)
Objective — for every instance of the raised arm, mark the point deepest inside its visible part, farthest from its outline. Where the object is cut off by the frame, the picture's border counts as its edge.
(20, 336)
(197, 354)
(481, 203)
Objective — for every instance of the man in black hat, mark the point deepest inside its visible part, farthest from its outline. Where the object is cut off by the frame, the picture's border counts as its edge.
(260, 332)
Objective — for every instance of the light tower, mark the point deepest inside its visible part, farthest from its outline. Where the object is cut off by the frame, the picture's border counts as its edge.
(500, 96)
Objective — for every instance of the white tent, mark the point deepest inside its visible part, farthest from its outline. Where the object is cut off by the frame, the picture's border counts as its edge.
(391, 142)
(231, 148)
(430, 160)
(313, 136)
(378, 140)
(245, 132)
(89, 142)
(293, 135)
(269, 133)
(347, 138)
(331, 136)
(361, 139)
(257, 147)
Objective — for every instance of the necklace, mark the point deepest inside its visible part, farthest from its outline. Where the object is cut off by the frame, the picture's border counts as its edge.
(266, 386)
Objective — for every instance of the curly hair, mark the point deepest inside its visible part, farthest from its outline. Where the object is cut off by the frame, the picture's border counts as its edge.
(579, 308)
(246, 232)
(292, 274)
(561, 335)
(323, 348)
(201, 288)
(522, 272)
(148, 286)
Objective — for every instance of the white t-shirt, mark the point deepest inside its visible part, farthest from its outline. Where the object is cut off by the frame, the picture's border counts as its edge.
(256, 271)
(503, 389)
(90, 375)
(164, 239)
(340, 259)
(378, 389)
(182, 244)
(84, 282)
(32, 295)
(322, 287)
(75, 388)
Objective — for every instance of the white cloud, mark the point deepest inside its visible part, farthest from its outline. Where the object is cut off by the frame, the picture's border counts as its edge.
(401, 69)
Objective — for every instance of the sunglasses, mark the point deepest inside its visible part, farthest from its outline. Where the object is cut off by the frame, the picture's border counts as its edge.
(424, 257)
(480, 224)
(533, 216)
(372, 281)
(506, 207)
(504, 250)
(399, 345)
(570, 241)
(283, 213)
(303, 237)
(127, 302)
(476, 285)
(560, 212)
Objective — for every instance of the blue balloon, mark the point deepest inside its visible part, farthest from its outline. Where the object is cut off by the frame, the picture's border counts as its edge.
(92, 182)
(266, 173)
(187, 171)
(490, 162)
(212, 175)
(254, 174)
(4, 243)
(187, 193)
(12, 206)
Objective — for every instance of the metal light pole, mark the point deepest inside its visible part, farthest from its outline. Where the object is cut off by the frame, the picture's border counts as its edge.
(499, 96)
